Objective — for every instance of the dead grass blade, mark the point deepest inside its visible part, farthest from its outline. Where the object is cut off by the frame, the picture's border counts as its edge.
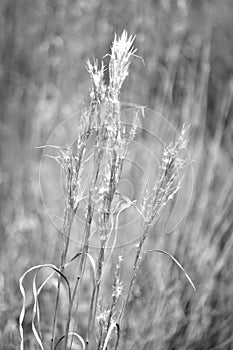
(176, 261)
(73, 335)
(36, 305)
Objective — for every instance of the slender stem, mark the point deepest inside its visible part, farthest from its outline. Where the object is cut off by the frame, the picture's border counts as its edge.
(137, 262)
(68, 221)
(113, 306)
(95, 294)
(81, 269)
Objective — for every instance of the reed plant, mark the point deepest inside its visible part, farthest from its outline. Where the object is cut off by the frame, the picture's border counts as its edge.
(102, 121)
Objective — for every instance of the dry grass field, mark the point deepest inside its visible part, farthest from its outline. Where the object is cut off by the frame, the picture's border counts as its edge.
(116, 175)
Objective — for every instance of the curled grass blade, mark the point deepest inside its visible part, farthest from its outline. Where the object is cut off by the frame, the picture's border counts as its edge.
(108, 336)
(45, 282)
(91, 259)
(36, 312)
(35, 293)
(176, 261)
(73, 335)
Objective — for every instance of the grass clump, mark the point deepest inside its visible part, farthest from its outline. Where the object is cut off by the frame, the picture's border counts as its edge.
(102, 122)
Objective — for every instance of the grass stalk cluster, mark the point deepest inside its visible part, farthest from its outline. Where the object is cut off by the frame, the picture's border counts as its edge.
(112, 140)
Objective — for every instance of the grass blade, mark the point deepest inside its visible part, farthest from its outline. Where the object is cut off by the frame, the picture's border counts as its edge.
(176, 261)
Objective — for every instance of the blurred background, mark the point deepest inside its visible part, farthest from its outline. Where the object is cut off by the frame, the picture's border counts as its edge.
(187, 47)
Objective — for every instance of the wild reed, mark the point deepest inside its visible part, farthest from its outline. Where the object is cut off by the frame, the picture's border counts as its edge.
(113, 138)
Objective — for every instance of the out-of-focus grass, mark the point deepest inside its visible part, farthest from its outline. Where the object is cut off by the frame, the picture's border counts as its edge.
(187, 49)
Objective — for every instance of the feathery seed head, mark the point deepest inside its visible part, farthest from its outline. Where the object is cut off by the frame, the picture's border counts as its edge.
(169, 180)
(121, 51)
(98, 88)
